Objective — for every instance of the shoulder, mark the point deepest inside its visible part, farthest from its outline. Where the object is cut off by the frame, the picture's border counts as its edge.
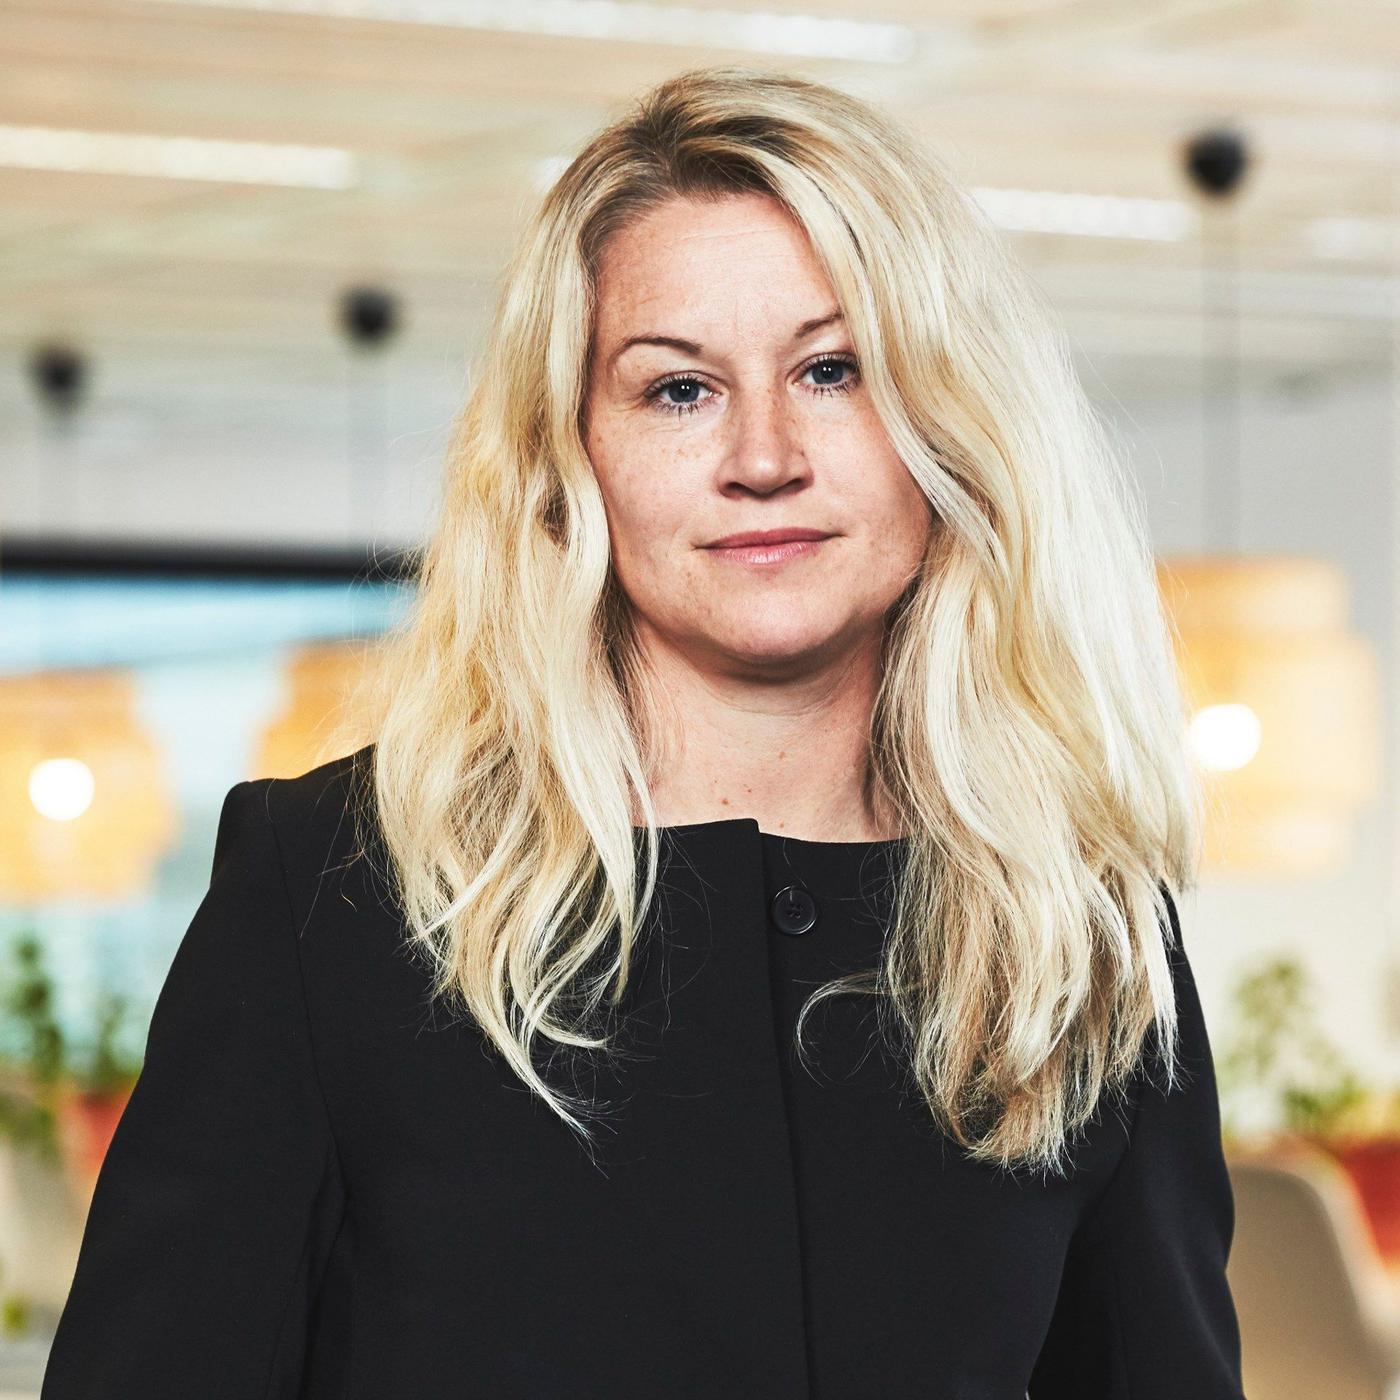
(313, 823)
(317, 797)
(315, 806)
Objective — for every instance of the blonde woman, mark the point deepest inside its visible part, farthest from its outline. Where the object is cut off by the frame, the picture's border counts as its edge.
(744, 962)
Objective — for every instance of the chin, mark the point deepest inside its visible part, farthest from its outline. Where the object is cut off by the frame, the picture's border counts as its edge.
(775, 640)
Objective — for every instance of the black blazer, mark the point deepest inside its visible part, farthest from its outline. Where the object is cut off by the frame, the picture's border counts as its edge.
(322, 1188)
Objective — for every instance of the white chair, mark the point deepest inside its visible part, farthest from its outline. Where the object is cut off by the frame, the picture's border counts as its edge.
(1319, 1314)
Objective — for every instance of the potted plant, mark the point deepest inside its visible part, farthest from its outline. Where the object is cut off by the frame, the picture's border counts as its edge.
(31, 1062)
(60, 1099)
(31, 1067)
(60, 1096)
(1278, 1055)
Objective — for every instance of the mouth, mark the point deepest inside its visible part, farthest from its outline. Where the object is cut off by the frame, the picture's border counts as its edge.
(766, 547)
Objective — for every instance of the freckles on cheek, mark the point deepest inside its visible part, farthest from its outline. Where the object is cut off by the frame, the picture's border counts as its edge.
(651, 508)
(639, 532)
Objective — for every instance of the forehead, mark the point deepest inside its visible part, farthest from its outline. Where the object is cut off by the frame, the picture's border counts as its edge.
(711, 260)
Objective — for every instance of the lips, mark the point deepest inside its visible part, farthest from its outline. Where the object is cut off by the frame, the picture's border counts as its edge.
(785, 535)
(766, 549)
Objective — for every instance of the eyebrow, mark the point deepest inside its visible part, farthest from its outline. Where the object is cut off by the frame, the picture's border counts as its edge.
(691, 347)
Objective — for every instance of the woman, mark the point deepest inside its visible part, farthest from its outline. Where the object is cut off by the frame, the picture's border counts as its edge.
(788, 651)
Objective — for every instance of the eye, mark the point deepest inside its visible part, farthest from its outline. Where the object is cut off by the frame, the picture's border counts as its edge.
(825, 363)
(687, 383)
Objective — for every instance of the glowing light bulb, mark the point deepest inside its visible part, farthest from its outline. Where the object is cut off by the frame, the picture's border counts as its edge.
(1225, 737)
(61, 788)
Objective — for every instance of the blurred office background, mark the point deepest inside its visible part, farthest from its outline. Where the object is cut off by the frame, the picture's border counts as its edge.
(249, 246)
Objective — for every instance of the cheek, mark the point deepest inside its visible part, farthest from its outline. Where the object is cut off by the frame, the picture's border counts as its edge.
(623, 484)
(880, 489)
(898, 511)
(913, 523)
(653, 497)
(647, 530)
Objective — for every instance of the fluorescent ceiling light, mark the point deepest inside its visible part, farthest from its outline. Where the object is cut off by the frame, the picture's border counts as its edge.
(688, 26)
(176, 157)
(1350, 236)
(1093, 215)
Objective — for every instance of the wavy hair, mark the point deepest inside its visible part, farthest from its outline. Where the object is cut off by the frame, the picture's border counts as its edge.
(1028, 731)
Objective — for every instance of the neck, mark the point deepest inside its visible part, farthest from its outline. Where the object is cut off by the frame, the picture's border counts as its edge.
(793, 752)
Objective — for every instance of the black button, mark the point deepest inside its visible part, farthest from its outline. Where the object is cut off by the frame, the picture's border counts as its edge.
(793, 910)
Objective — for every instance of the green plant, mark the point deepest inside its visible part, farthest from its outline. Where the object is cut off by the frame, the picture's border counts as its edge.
(16, 1314)
(16, 1311)
(27, 1109)
(1276, 1049)
(39, 1058)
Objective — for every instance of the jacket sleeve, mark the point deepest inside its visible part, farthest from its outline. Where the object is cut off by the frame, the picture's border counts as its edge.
(216, 1203)
(1144, 1309)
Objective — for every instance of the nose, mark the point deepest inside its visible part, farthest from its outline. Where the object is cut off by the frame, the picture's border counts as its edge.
(767, 451)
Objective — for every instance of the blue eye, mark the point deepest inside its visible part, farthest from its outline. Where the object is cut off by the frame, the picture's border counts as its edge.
(688, 382)
(838, 362)
(684, 381)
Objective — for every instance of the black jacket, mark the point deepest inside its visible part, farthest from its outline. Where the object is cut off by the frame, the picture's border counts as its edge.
(323, 1188)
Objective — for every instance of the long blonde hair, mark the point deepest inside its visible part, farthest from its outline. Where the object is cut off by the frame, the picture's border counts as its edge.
(1028, 732)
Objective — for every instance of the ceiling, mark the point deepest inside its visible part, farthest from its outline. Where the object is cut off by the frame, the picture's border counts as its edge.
(432, 124)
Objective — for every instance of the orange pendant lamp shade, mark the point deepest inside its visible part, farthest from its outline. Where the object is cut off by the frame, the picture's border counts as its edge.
(1284, 705)
(85, 803)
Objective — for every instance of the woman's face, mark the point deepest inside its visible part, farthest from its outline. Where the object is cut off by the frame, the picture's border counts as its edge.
(723, 399)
